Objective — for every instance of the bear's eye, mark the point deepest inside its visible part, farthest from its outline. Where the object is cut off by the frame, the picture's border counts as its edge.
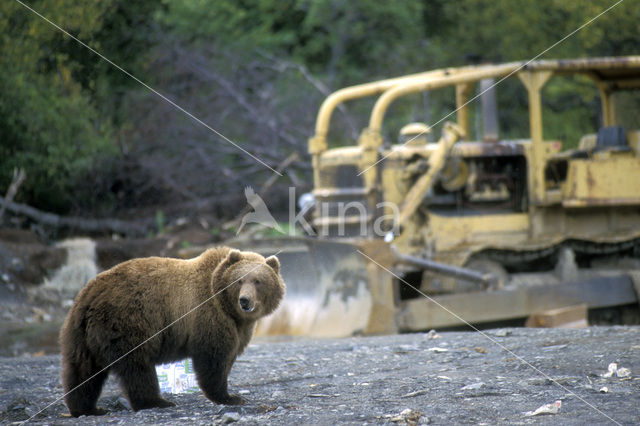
(256, 282)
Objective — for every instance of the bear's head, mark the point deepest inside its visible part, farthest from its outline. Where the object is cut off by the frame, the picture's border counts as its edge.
(250, 286)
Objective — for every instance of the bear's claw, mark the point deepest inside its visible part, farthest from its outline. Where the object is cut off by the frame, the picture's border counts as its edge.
(232, 400)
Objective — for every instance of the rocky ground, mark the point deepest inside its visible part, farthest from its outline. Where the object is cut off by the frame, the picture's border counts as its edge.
(445, 378)
(493, 377)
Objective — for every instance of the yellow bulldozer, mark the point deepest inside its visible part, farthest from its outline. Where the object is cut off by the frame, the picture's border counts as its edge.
(414, 234)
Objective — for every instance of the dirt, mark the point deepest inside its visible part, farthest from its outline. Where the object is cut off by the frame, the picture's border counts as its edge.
(446, 378)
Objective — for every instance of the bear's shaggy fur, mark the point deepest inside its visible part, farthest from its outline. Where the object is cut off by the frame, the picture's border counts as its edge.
(156, 310)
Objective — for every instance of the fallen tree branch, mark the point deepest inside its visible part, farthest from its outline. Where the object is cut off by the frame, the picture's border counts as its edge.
(16, 181)
(75, 223)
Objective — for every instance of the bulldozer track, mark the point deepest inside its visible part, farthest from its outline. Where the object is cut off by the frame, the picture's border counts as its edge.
(590, 249)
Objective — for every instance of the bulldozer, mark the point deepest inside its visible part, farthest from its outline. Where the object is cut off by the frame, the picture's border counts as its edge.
(415, 234)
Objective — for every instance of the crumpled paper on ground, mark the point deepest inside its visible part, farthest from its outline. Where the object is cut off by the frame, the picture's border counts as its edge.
(619, 372)
(552, 408)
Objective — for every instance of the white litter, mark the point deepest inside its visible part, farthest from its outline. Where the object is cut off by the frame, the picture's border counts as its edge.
(473, 386)
(177, 377)
(619, 372)
(623, 372)
(433, 335)
(611, 370)
(552, 408)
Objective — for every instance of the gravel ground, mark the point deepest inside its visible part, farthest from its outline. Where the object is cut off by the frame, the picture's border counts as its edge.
(450, 378)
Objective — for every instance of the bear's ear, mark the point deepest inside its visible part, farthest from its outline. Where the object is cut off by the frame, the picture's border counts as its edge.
(234, 256)
(274, 263)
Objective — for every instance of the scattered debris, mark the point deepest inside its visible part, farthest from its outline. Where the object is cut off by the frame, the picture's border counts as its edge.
(604, 389)
(611, 370)
(438, 350)
(623, 372)
(408, 416)
(552, 408)
(619, 372)
(433, 335)
(231, 417)
(416, 393)
(405, 349)
(503, 333)
(480, 350)
(431, 384)
(473, 386)
(554, 347)
(277, 394)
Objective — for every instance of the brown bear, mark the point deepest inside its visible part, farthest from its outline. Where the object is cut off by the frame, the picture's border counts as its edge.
(155, 310)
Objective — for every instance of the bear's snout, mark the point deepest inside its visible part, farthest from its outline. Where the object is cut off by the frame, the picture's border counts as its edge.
(246, 305)
(247, 298)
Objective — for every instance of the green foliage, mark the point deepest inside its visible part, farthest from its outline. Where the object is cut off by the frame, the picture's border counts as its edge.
(60, 101)
(517, 30)
(287, 231)
(627, 105)
(53, 133)
(67, 116)
(345, 41)
(508, 30)
(160, 222)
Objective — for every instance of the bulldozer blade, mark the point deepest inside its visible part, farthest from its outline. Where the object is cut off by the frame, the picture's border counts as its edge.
(327, 287)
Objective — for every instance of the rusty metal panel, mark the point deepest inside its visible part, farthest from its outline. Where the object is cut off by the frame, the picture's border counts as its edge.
(503, 230)
(614, 180)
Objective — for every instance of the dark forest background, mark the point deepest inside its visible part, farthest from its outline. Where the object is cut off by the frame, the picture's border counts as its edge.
(93, 142)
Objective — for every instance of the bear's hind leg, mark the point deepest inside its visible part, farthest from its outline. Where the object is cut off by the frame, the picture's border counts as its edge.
(82, 386)
(139, 383)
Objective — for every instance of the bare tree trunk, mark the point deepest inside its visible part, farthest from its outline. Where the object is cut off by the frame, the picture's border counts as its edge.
(18, 178)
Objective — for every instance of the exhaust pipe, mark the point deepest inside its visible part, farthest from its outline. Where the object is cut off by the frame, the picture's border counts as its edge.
(489, 110)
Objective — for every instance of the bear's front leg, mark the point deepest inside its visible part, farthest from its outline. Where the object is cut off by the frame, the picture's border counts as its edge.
(212, 372)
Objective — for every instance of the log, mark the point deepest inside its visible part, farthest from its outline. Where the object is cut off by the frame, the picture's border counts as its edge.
(75, 223)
